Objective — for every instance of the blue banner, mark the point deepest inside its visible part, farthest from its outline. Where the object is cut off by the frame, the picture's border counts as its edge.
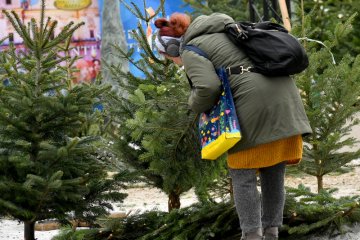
(130, 22)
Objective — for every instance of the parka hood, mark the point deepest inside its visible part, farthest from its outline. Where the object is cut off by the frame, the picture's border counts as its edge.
(204, 24)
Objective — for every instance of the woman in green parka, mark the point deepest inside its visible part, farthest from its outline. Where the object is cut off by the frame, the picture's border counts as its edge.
(269, 109)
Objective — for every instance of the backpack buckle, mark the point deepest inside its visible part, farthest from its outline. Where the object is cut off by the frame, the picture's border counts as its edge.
(244, 69)
(241, 33)
(237, 70)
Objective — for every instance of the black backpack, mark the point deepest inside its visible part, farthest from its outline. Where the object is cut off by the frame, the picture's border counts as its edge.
(273, 51)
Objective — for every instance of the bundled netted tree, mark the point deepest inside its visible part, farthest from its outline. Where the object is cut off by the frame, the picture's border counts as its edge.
(323, 213)
(49, 131)
(306, 214)
(155, 131)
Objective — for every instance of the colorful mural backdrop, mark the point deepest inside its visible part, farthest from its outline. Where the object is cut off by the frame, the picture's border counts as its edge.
(86, 40)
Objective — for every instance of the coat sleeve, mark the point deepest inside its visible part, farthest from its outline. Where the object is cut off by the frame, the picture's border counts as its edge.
(206, 85)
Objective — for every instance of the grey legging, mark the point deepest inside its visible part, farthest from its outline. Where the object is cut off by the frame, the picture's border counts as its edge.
(252, 213)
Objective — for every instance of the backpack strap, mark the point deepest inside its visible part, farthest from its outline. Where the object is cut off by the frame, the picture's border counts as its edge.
(196, 49)
(229, 70)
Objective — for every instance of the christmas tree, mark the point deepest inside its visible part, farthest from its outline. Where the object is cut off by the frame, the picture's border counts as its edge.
(330, 89)
(237, 9)
(49, 131)
(155, 131)
(327, 14)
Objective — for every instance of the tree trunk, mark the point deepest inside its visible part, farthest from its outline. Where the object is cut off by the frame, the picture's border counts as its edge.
(320, 183)
(174, 201)
(29, 230)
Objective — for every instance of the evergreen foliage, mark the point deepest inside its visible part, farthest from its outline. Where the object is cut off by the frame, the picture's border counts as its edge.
(325, 17)
(330, 92)
(305, 213)
(155, 131)
(67, 233)
(237, 9)
(49, 131)
(199, 221)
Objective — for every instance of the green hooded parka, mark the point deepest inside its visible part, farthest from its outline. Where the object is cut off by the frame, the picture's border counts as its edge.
(268, 108)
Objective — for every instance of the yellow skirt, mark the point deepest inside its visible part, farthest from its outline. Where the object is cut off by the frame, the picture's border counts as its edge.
(268, 154)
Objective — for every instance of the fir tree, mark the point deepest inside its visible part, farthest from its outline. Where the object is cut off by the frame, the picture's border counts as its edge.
(326, 16)
(157, 134)
(48, 146)
(330, 91)
(237, 9)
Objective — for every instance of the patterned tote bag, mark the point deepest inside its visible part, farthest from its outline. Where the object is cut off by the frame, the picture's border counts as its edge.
(219, 128)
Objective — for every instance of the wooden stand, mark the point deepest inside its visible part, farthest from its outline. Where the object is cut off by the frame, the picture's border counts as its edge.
(285, 14)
